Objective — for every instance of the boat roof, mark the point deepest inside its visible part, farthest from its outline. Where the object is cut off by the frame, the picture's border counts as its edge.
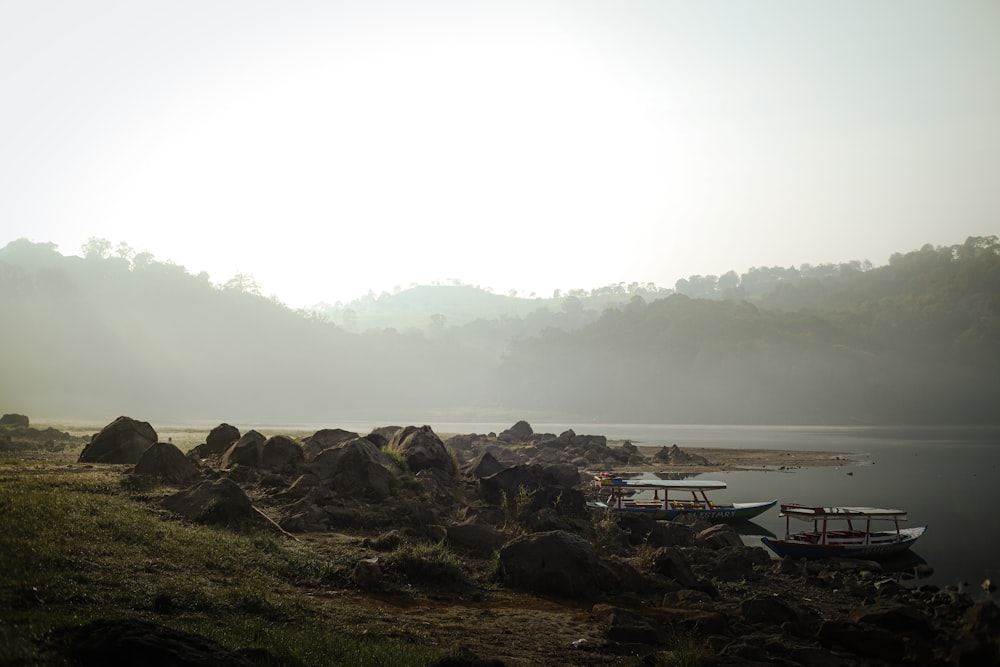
(805, 512)
(687, 484)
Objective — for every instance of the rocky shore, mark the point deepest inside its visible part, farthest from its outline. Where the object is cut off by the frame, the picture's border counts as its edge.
(549, 581)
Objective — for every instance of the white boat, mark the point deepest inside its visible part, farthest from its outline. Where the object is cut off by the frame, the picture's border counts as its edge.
(670, 498)
(843, 532)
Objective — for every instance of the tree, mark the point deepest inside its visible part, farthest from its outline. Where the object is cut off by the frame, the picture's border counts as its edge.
(96, 248)
(125, 251)
(243, 282)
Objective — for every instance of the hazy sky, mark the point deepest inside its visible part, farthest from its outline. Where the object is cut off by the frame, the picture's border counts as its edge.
(329, 148)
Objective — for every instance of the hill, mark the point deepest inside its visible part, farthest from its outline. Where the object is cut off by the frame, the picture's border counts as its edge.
(915, 341)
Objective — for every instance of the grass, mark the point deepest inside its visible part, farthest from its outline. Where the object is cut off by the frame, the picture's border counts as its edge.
(75, 547)
(517, 510)
(429, 563)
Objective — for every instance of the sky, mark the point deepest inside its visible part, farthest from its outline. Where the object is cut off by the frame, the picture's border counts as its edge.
(331, 148)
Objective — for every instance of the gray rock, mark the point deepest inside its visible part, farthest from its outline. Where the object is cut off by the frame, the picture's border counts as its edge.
(219, 501)
(555, 562)
(163, 461)
(324, 439)
(356, 467)
(14, 420)
(122, 441)
(422, 449)
(219, 439)
(280, 454)
(244, 452)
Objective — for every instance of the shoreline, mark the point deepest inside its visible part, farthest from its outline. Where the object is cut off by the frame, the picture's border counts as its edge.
(722, 459)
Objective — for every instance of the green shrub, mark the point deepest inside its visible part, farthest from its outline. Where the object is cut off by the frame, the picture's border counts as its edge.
(517, 511)
(428, 563)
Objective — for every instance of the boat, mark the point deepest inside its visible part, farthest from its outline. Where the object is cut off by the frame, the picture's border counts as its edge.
(843, 532)
(671, 498)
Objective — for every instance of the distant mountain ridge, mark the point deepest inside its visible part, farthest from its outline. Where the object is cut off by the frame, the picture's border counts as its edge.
(915, 341)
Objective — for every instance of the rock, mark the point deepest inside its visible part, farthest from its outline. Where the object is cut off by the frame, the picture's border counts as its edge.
(733, 563)
(670, 534)
(476, 536)
(519, 432)
(136, 642)
(367, 574)
(671, 563)
(556, 563)
(280, 454)
(769, 610)
(14, 420)
(688, 599)
(219, 501)
(677, 457)
(324, 439)
(305, 516)
(898, 618)
(355, 467)
(869, 642)
(220, 439)
(540, 482)
(381, 436)
(244, 452)
(163, 461)
(483, 465)
(122, 441)
(718, 536)
(982, 618)
(625, 626)
(422, 449)
(303, 486)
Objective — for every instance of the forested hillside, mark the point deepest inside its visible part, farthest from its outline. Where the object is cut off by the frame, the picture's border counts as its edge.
(915, 341)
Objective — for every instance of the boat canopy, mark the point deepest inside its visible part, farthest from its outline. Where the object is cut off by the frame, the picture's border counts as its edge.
(681, 484)
(812, 513)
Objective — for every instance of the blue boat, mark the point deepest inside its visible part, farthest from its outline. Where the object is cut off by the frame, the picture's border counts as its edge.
(667, 499)
(843, 532)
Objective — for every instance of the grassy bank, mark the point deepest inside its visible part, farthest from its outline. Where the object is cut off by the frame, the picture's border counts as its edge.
(78, 545)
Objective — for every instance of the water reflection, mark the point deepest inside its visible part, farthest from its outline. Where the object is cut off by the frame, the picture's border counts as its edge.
(751, 529)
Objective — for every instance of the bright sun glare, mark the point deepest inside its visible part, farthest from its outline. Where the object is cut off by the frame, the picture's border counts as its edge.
(370, 145)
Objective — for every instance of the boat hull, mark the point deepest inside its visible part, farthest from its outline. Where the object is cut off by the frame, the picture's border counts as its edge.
(718, 514)
(801, 549)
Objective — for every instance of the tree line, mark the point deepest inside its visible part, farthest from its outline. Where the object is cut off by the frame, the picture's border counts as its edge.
(914, 341)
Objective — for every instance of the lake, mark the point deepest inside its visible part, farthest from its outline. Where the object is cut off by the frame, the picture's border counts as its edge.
(946, 478)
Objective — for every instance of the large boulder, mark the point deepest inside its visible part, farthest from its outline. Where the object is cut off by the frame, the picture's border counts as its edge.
(558, 563)
(483, 465)
(324, 439)
(422, 449)
(219, 501)
(476, 536)
(354, 467)
(280, 454)
(220, 439)
(546, 485)
(245, 452)
(381, 436)
(14, 420)
(122, 441)
(164, 462)
(519, 432)
(675, 456)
